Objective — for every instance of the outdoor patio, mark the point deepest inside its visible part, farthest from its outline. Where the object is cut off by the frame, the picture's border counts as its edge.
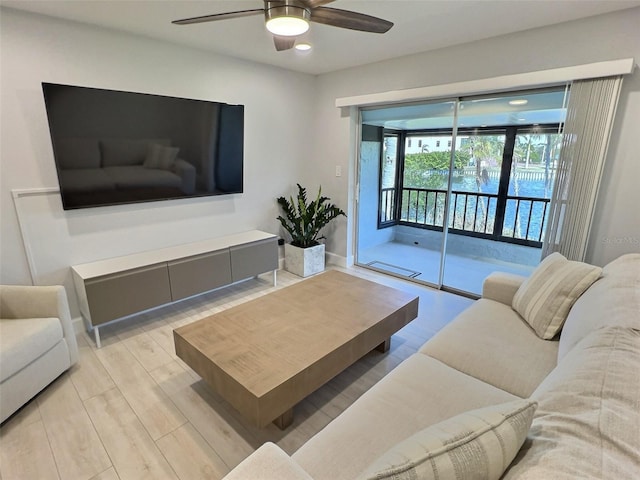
(462, 271)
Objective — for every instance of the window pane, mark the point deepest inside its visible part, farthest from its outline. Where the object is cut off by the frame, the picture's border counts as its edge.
(390, 155)
(426, 177)
(482, 171)
(388, 177)
(533, 170)
(534, 164)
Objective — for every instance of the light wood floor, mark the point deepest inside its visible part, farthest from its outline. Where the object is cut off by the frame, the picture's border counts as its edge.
(133, 410)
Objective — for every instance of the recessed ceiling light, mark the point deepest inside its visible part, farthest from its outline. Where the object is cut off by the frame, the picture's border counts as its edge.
(303, 47)
(520, 101)
(522, 119)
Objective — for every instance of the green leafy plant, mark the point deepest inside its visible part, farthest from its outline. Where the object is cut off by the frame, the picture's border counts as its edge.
(303, 221)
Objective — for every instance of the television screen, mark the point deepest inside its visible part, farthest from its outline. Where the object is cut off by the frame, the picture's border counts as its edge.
(113, 147)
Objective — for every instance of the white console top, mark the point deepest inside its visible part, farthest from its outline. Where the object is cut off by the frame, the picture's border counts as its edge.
(152, 257)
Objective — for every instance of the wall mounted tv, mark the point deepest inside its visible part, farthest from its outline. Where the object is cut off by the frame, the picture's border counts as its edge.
(113, 147)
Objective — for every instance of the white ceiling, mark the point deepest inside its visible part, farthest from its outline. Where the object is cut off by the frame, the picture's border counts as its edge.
(419, 25)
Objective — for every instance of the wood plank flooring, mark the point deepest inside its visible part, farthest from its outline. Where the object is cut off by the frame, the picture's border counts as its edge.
(133, 410)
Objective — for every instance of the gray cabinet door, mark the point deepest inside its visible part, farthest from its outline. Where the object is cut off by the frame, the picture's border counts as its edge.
(118, 295)
(200, 273)
(254, 258)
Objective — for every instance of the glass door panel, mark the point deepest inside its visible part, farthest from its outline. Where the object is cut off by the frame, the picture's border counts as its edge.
(531, 182)
(476, 179)
(451, 191)
(375, 217)
(509, 145)
(412, 182)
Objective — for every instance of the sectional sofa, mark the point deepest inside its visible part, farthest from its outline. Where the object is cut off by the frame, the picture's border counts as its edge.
(504, 391)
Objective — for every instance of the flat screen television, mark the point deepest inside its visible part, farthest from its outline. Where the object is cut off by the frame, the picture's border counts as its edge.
(112, 147)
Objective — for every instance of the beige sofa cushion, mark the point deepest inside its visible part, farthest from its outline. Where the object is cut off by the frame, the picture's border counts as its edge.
(19, 388)
(545, 298)
(587, 423)
(417, 394)
(501, 286)
(24, 340)
(269, 462)
(614, 300)
(476, 444)
(490, 341)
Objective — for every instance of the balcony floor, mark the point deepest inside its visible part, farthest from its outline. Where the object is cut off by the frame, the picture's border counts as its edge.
(464, 273)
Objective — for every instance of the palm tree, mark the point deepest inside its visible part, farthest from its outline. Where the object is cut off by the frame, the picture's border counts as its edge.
(485, 148)
(527, 146)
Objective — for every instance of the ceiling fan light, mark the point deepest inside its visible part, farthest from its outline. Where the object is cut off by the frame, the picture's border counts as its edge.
(287, 26)
(287, 20)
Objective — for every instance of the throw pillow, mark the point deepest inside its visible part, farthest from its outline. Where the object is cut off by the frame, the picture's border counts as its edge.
(160, 156)
(479, 444)
(545, 298)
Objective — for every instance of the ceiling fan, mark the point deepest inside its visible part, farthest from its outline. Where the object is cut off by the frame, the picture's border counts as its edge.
(289, 18)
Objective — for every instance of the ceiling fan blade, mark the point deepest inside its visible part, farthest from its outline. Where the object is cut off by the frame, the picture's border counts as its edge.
(315, 3)
(283, 43)
(219, 16)
(351, 20)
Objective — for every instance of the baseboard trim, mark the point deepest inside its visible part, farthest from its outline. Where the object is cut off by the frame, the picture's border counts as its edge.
(78, 324)
(334, 259)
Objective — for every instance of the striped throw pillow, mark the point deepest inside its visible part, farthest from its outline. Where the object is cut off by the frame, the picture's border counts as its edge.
(479, 444)
(545, 298)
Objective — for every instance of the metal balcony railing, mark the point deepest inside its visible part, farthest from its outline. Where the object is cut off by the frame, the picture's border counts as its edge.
(513, 219)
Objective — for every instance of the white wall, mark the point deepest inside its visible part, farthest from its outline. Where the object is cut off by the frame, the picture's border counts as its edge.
(368, 233)
(36, 49)
(607, 37)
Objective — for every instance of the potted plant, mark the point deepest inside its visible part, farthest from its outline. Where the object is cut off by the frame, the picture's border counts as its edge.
(304, 255)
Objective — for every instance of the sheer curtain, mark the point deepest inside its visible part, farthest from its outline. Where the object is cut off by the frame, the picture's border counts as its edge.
(590, 114)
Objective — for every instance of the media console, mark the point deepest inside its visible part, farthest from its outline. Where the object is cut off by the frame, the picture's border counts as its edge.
(115, 288)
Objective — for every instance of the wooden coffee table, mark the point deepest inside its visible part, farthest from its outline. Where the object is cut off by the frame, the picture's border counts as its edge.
(266, 355)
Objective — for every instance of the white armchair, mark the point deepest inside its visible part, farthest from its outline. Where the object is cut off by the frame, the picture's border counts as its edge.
(37, 342)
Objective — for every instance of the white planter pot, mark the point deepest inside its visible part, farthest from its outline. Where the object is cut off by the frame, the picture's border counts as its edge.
(304, 261)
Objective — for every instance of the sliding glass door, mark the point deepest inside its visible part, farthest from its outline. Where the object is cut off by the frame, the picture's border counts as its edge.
(406, 178)
(450, 191)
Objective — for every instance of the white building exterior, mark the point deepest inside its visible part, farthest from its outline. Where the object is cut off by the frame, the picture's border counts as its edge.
(424, 144)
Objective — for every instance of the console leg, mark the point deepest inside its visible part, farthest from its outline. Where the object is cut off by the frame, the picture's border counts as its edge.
(96, 333)
(275, 278)
(384, 346)
(284, 420)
